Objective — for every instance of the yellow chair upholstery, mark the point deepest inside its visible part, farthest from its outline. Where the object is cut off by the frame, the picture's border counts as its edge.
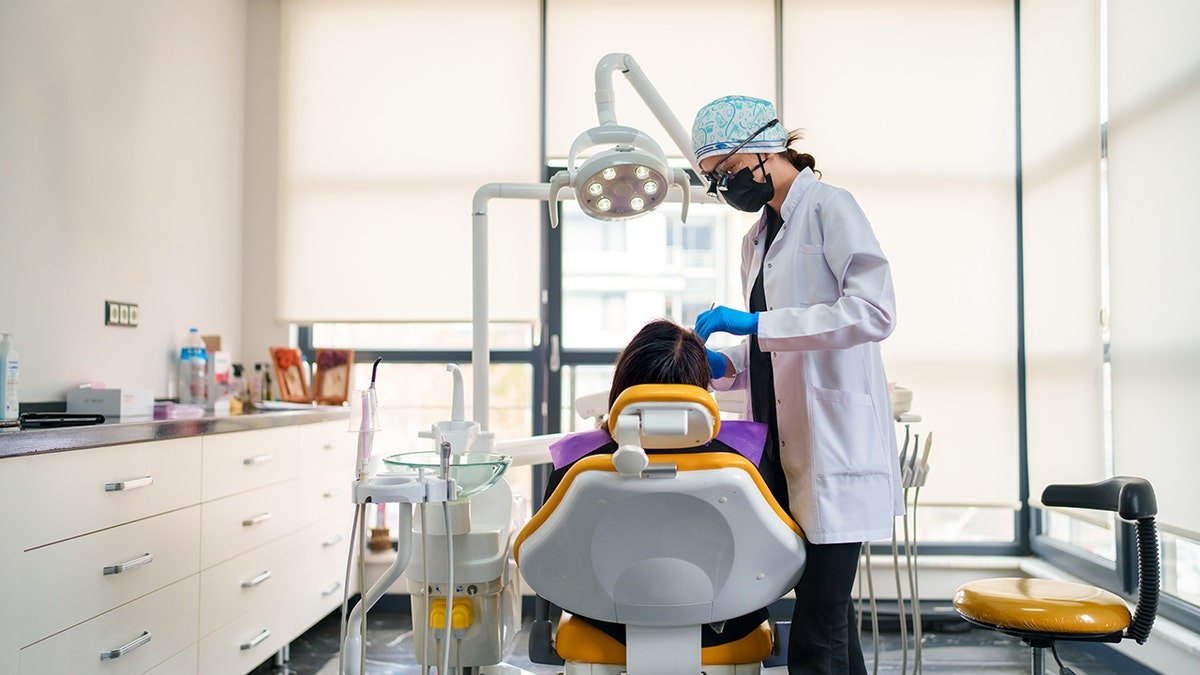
(582, 642)
(664, 393)
(1042, 606)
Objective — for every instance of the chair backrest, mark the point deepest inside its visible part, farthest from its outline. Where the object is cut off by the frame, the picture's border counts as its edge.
(1133, 500)
(686, 540)
(703, 545)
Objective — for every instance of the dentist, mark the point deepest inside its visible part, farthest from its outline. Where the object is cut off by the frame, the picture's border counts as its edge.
(820, 299)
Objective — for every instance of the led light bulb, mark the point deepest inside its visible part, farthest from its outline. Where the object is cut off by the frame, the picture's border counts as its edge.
(595, 189)
(650, 187)
(609, 173)
(604, 204)
(642, 173)
(637, 203)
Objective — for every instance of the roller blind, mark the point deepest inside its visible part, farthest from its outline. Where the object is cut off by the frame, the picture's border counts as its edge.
(1153, 145)
(394, 113)
(685, 47)
(910, 106)
(1060, 143)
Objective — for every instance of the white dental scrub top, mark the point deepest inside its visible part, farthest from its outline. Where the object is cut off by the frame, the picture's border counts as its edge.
(830, 302)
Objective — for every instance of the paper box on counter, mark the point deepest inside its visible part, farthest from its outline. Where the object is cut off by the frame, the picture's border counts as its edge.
(111, 403)
(220, 376)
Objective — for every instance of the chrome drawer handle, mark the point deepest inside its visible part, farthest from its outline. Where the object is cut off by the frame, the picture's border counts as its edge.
(337, 539)
(266, 633)
(328, 446)
(129, 565)
(126, 648)
(255, 520)
(126, 485)
(329, 494)
(251, 583)
(258, 459)
(332, 589)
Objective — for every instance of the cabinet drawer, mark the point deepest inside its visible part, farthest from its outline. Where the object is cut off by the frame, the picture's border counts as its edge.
(240, 645)
(325, 544)
(75, 580)
(326, 446)
(151, 630)
(321, 495)
(252, 578)
(183, 663)
(236, 524)
(244, 460)
(109, 486)
(317, 595)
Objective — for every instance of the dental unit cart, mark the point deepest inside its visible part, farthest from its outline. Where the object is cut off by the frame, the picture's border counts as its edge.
(462, 578)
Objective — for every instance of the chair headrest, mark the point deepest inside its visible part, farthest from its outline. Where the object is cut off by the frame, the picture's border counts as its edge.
(703, 415)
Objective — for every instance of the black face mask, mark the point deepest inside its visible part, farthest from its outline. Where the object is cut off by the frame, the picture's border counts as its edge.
(744, 193)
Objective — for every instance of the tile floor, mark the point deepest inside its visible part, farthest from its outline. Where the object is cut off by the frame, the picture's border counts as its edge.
(959, 651)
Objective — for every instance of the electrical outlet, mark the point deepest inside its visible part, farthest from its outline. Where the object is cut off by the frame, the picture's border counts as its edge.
(120, 313)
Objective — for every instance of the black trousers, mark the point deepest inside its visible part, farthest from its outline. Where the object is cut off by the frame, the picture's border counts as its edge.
(824, 636)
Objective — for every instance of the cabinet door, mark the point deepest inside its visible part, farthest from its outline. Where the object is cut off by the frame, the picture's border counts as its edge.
(130, 639)
(236, 524)
(246, 581)
(112, 485)
(327, 447)
(75, 580)
(245, 460)
(248, 640)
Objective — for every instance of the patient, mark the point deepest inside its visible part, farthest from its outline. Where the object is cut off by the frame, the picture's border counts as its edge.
(664, 353)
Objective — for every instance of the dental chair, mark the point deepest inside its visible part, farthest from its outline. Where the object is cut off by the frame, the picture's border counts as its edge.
(662, 543)
(1042, 611)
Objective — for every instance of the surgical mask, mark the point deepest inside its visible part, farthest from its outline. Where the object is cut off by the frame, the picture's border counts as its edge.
(744, 193)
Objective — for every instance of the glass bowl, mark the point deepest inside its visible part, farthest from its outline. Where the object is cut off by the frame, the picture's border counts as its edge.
(473, 472)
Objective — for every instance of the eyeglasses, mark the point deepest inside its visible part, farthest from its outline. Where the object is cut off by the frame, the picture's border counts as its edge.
(717, 180)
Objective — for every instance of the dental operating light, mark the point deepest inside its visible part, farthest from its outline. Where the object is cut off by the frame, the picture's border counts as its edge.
(629, 176)
(620, 182)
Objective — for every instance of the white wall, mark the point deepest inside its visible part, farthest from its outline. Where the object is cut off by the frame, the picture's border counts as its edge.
(120, 178)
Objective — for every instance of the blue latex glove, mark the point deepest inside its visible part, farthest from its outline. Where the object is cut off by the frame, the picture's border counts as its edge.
(717, 364)
(725, 320)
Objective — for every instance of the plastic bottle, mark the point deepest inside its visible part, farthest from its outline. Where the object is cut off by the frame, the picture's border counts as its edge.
(267, 394)
(10, 377)
(256, 385)
(193, 369)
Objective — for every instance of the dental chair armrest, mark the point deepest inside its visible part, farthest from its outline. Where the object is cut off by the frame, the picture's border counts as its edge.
(1132, 498)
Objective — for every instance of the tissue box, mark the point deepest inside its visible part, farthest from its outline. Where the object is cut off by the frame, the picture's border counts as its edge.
(112, 402)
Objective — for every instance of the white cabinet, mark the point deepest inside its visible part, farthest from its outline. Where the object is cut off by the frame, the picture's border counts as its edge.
(246, 460)
(132, 638)
(236, 524)
(203, 554)
(248, 640)
(107, 486)
(77, 579)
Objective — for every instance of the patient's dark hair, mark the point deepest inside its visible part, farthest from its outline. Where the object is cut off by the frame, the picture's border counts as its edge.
(662, 352)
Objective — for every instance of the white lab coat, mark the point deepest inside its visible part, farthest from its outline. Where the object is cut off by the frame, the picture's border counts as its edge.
(829, 302)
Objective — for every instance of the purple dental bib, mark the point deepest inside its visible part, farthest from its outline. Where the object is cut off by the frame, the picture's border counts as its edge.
(744, 437)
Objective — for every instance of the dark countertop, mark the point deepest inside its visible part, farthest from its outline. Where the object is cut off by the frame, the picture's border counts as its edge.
(14, 442)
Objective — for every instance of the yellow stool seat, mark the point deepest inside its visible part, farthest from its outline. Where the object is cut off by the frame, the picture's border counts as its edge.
(582, 642)
(1042, 606)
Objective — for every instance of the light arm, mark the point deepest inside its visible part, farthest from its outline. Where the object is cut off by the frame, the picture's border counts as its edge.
(606, 101)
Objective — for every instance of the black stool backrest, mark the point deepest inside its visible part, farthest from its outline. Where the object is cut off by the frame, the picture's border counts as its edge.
(1132, 499)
